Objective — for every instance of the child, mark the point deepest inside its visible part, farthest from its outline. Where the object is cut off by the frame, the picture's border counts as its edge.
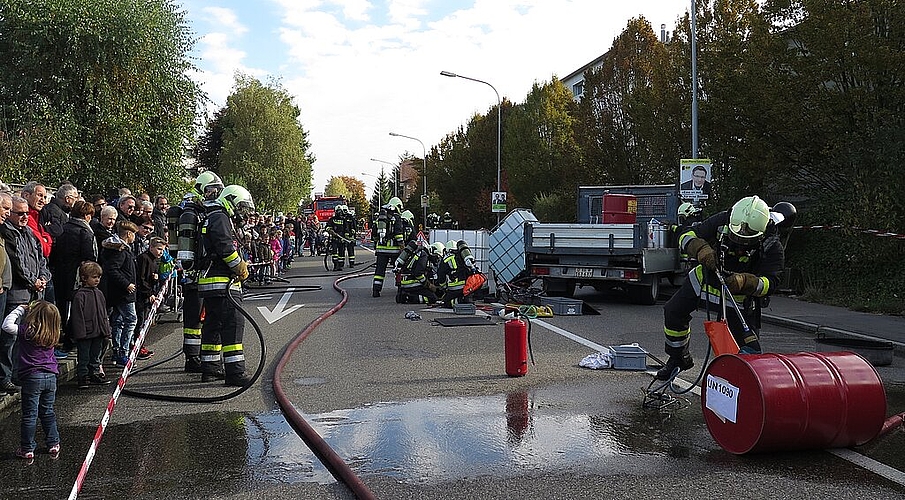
(37, 369)
(89, 326)
(276, 246)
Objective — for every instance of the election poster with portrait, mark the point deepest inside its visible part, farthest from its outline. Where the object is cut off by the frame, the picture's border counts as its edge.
(694, 179)
(498, 202)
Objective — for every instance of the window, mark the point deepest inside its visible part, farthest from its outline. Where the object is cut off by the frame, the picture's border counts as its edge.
(578, 89)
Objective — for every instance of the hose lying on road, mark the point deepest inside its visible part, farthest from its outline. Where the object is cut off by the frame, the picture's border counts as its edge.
(318, 445)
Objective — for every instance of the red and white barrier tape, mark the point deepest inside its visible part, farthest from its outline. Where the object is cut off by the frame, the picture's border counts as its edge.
(111, 405)
(872, 232)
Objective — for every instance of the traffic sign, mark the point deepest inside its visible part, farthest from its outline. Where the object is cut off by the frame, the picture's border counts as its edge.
(421, 239)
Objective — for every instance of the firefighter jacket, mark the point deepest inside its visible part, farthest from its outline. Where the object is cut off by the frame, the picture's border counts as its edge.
(765, 260)
(390, 233)
(219, 253)
(417, 271)
(351, 227)
(336, 228)
(453, 272)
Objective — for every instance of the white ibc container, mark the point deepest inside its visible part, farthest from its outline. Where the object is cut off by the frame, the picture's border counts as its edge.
(507, 245)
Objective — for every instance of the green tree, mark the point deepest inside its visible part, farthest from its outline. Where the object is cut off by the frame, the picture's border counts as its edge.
(261, 145)
(336, 186)
(357, 198)
(96, 92)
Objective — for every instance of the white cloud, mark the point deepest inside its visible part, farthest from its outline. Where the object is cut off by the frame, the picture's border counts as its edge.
(356, 81)
(226, 19)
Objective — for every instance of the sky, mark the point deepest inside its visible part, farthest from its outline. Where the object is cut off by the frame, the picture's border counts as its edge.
(360, 69)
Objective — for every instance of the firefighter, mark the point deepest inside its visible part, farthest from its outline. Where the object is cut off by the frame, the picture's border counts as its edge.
(388, 241)
(336, 228)
(408, 227)
(351, 229)
(184, 225)
(447, 222)
(416, 286)
(224, 270)
(433, 220)
(687, 216)
(456, 267)
(742, 244)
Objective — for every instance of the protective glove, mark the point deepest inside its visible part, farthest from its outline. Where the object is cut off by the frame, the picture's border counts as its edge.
(241, 270)
(742, 283)
(702, 251)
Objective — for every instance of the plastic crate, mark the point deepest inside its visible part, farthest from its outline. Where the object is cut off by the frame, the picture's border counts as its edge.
(464, 308)
(629, 357)
(563, 306)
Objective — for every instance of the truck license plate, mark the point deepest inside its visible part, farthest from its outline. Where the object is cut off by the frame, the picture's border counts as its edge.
(584, 272)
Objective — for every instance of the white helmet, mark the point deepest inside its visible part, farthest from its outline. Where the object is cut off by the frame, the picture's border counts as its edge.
(339, 209)
(748, 220)
(236, 200)
(408, 215)
(451, 245)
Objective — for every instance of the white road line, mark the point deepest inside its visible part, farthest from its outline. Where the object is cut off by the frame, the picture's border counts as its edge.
(567, 334)
(870, 464)
(851, 456)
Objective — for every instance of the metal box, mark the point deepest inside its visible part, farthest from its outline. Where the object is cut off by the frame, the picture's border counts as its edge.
(563, 306)
(629, 357)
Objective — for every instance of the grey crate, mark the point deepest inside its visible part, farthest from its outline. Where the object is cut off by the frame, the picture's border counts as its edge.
(629, 357)
(464, 308)
(563, 306)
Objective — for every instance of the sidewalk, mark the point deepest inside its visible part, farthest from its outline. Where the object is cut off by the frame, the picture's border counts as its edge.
(835, 321)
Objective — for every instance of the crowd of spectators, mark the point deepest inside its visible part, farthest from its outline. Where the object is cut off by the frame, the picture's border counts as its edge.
(46, 237)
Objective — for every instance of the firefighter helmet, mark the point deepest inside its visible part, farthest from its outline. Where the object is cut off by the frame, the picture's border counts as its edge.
(452, 245)
(748, 220)
(208, 185)
(339, 210)
(437, 249)
(783, 214)
(408, 215)
(236, 199)
(687, 210)
(395, 203)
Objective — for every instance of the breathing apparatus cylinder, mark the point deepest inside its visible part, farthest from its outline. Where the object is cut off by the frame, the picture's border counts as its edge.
(407, 253)
(465, 253)
(173, 214)
(516, 347)
(383, 220)
(189, 223)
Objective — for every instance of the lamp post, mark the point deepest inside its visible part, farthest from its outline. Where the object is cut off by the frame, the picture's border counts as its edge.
(424, 167)
(694, 82)
(395, 177)
(379, 186)
(499, 124)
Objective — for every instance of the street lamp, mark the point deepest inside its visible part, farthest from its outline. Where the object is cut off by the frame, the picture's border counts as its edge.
(694, 82)
(424, 167)
(499, 124)
(379, 186)
(395, 177)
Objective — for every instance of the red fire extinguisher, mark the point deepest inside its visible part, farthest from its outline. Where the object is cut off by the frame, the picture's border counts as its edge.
(516, 340)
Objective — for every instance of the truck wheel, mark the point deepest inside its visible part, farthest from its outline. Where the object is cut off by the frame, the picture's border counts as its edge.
(554, 287)
(646, 292)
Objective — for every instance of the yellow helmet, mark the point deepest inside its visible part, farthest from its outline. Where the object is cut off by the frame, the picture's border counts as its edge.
(236, 200)
(408, 215)
(748, 220)
(208, 185)
(437, 249)
(396, 203)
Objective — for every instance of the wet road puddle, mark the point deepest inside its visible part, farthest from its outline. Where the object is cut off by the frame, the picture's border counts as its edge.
(418, 442)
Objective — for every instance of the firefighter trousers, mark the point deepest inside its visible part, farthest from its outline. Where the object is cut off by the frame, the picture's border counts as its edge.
(222, 334)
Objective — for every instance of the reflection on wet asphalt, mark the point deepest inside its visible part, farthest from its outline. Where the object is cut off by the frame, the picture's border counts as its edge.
(428, 441)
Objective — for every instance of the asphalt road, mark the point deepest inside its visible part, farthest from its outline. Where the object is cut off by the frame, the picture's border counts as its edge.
(420, 410)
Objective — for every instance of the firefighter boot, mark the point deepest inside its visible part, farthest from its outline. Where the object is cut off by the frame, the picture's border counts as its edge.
(211, 371)
(193, 364)
(678, 358)
(238, 380)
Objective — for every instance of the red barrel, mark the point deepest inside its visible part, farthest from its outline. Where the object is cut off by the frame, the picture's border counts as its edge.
(770, 402)
(516, 346)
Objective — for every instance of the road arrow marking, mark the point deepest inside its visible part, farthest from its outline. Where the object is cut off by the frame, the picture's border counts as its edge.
(279, 311)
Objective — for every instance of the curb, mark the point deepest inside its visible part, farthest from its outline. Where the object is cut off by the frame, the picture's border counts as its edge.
(819, 330)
